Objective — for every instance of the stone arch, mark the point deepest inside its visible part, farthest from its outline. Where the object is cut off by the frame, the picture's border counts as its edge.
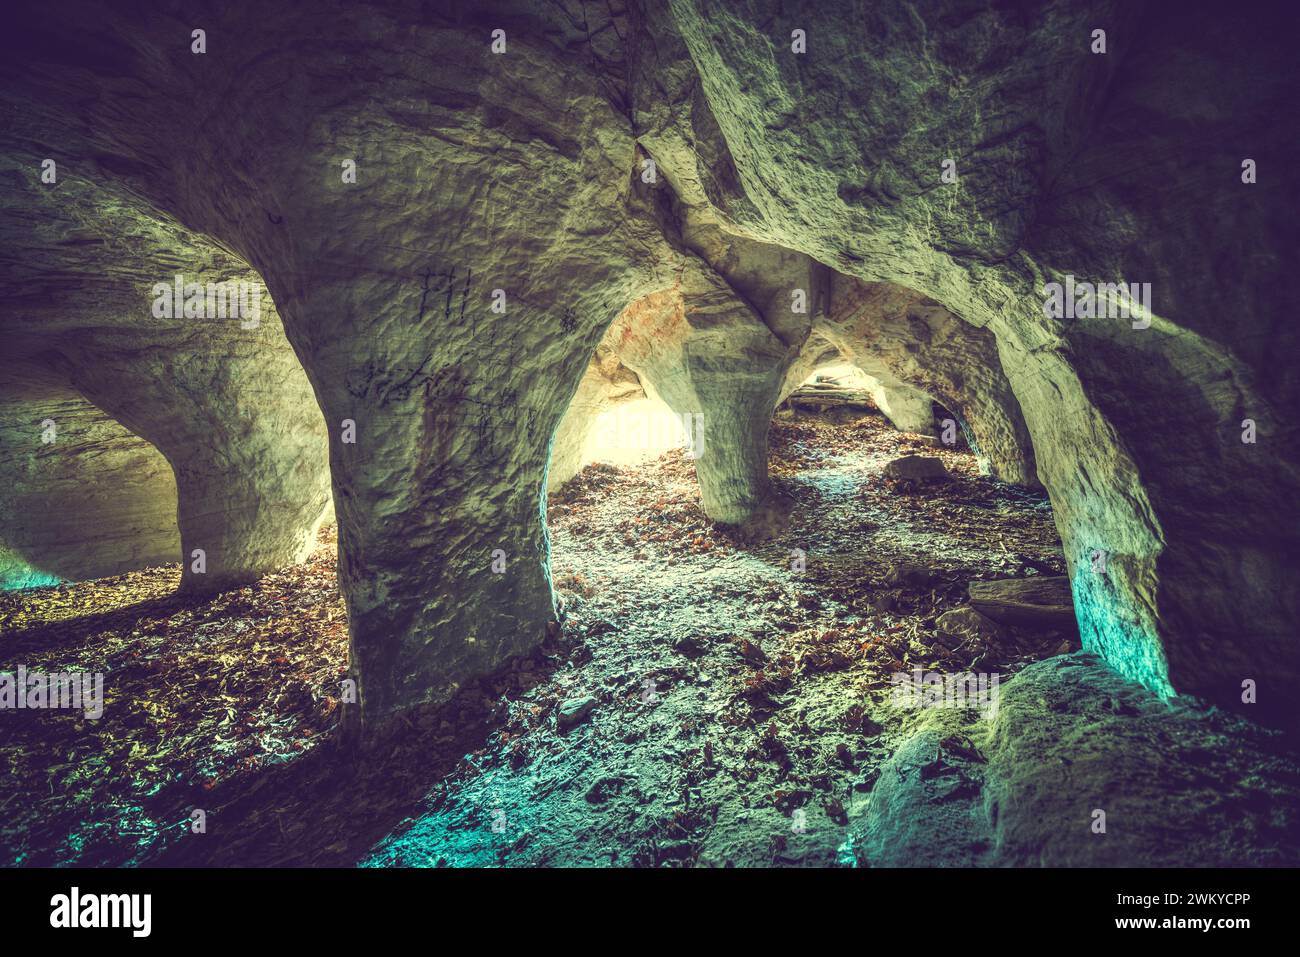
(176, 339)
(908, 409)
(94, 500)
(607, 384)
(1045, 195)
(909, 342)
(524, 171)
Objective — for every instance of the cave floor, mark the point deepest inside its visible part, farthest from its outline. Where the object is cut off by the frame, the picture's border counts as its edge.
(733, 705)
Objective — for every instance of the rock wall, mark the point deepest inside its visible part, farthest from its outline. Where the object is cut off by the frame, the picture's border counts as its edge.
(198, 367)
(530, 169)
(906, 408)
(909, 409)
(245, 445)
(93, 500)
(912, 344)
(1079, 767)
(391, 174)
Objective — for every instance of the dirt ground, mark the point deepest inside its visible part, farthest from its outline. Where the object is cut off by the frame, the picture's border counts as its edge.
(706, 703)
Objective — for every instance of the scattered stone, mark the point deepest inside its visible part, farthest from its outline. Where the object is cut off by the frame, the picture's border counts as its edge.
(908, 574)
(689, 645)
(917, 468)
(1041, 602)
(966, 622)
(573, 712)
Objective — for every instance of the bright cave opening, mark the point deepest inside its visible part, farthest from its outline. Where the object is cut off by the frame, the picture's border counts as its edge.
(695, 668)
(709, 664)
(634, 432)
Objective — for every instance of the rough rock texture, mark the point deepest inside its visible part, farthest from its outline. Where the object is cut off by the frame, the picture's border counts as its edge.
(1136, 432)
(96, 500)
(1179, 784)
(248, 454)
(909, 409)
(720, 345)
(914, 346)
(712, 358)
(527, 165)
(223, 399)
(526, 172)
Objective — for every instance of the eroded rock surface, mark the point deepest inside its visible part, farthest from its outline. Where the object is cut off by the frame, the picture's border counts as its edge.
(913, 346)
(527, 172)
(714, 361)
(1078, 767)
(1137, 432)
(178, 341)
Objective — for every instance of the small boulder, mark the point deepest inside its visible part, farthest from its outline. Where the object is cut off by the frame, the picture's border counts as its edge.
(908, 574)
(916, 468)
(883, 602)
(966, 622)
(573, 712)
(689, 646)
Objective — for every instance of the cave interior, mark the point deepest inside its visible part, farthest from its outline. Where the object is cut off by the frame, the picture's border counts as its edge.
(654, 433)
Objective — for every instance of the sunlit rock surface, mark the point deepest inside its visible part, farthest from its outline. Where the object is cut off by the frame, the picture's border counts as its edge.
(178, 342)
(606, 385)
(719, 363)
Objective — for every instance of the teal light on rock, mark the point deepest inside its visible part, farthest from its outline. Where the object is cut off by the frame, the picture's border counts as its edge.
(1107, 626)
